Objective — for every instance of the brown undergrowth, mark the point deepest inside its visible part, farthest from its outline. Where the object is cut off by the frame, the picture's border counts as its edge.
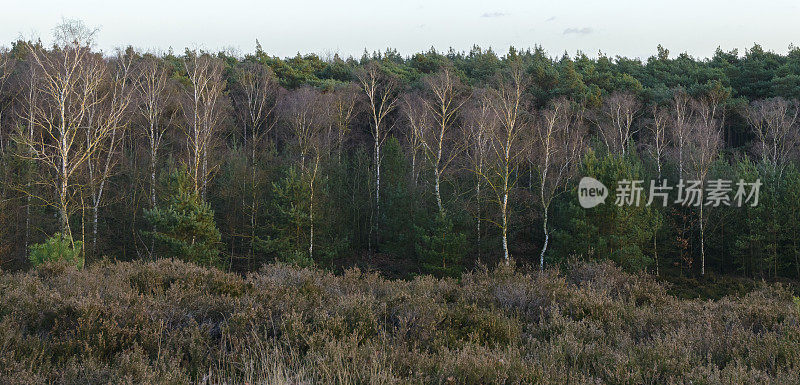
(173, 322)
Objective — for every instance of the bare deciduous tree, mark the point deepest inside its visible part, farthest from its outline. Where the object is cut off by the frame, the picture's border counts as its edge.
(704, 142)
(774, 122)
(302, 111)
(255, 101)
(202, 112)
(71, 85)
(481, 122)
(657, 142)
(28, 116)
(616, 123)
(153, 91)
(445, 99)
(342, 105)
(382, 100)
(556, 149)
(657, 139)
(417, 117)
(681, 122)
(508, 106)
(109, 118)
(307, 117)
(318, 146)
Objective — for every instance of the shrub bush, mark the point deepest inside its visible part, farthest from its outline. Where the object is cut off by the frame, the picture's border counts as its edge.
(173, 322)
(58, 248)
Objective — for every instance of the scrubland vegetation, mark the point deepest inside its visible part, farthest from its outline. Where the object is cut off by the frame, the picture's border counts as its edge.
(173, 322)
(201, 217)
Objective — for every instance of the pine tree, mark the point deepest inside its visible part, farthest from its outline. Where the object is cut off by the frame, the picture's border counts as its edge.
(290, 220)
(184, 226)
(440, 247)
(621, 233)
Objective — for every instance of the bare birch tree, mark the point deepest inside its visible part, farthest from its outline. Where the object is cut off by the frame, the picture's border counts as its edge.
(445, 99)
(203, 113)
(307, 118)
(681, 118)
(657, 142)
(342, 111)
(28, 116)
(256, 100)
(153, 97)
(616, 121)
(557, 145)
(109, 118)
(704, 142)
(508, 106)
(657, 136)
(417, 119)
(774, 123)
(302, 111)
(381, 100)
(70, 86)
(481, 122)
(318, 146)
(681, 124)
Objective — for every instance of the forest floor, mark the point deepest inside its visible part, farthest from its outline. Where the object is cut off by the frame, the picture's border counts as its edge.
(172, 322)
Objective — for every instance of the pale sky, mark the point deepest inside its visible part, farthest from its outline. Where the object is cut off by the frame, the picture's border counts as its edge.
(347, 27)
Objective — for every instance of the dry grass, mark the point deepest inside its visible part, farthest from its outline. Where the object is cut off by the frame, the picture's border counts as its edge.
(172, 322)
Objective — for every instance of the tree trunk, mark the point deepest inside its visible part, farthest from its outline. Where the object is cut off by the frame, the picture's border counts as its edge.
(655, 251)
(376, 223)
(437, 177)
(311, 210)
(702, 243)
(27, 219)
(95, 209)
(62, 200)
(253, 210)
(478, 200)
(311, 234)
(414, 167)
(205, 172)
(28, 181)
(153, 204)
(546, 240)
(505, 227)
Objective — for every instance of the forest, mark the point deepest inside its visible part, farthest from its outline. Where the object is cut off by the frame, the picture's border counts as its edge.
(428, 164)
(215, 217)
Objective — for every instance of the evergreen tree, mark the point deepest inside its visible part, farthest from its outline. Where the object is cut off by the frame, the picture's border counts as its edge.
(440, 247)
(609, 231)
(184, 225)
(59, 247)
(290, 220)
(402, 207)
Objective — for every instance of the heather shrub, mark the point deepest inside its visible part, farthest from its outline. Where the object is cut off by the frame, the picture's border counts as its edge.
(174, 322)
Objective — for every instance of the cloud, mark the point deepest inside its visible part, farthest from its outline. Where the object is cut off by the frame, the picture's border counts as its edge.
(578, 31)
(493, 14)
(551, 18)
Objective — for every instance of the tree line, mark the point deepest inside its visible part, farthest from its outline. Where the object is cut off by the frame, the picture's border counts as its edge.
(425, 164)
